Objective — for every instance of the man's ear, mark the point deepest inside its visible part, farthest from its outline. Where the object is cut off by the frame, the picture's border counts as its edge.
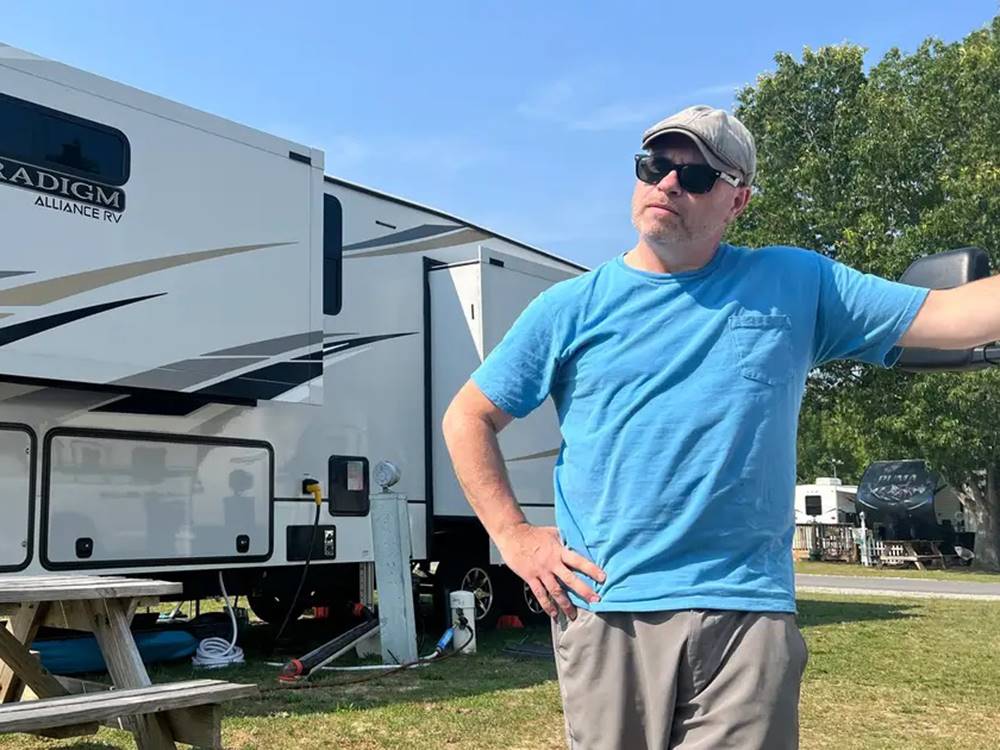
(740, 201)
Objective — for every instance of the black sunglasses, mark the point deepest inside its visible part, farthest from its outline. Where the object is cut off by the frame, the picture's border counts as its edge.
(694, 178)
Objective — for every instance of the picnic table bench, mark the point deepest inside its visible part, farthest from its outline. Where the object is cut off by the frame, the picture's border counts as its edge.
(158, 715)
(916, 551)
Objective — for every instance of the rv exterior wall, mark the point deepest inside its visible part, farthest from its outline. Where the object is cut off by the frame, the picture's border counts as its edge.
(203, 282)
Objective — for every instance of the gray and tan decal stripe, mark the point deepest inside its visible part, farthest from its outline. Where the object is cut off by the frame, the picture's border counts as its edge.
(7, 275)
(270, 347)
(43, 292)
(460, 236)
(186, 373)
(17, 331)
(407, 235)
(191, 372)
(273, 380)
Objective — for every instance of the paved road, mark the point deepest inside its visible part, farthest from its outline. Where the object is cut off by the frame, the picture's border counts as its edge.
(915, 587)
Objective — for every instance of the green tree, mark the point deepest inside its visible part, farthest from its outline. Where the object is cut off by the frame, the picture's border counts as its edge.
(877, 168)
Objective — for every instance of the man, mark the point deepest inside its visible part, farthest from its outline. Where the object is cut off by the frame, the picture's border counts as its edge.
(677, 370)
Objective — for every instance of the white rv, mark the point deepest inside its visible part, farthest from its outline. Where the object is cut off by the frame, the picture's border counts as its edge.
(828, 500)
(195, 320)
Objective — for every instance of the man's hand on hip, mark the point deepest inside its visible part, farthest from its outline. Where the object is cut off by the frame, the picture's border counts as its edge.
(537, 555)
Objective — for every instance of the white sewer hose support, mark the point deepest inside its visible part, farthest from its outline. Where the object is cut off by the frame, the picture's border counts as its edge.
(215, 653)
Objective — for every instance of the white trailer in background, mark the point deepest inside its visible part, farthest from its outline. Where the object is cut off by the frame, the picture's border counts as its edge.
(828, 500)
(194, 322)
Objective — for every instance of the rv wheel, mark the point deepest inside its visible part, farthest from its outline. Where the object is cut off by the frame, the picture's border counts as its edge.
(529, 609)
(272, 608)
(483, 580)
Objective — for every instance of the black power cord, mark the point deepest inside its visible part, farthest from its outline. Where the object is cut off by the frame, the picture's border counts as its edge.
(308, 486)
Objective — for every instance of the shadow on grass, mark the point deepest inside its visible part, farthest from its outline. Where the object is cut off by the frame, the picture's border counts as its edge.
(458, 677)
(817, 612)
(478, 677)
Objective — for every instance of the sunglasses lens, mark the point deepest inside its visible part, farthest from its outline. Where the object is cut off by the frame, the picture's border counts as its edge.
(651, 170)
(696, 178)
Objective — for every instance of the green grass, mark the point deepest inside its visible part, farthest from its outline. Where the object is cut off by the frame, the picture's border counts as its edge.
(851, 569)
(883, 673)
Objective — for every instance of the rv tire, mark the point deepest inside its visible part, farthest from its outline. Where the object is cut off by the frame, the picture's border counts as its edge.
(272, 608)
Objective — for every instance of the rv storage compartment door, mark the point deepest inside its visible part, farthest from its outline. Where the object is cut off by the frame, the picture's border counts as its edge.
(17, 458)
(456, 350)
(472, 307)
(113, 499)
(530, 445)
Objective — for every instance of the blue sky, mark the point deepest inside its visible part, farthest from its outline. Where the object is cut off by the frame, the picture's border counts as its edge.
(519, 116)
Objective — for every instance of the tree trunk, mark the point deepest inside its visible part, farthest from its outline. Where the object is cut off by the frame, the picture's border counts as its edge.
(987, 510)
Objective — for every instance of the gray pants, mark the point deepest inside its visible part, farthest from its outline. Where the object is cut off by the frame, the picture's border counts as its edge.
(684, 680)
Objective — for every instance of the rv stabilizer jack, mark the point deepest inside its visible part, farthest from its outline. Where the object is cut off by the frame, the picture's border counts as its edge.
(303, 666)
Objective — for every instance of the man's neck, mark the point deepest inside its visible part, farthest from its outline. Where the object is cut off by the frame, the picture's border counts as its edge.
(672, 258)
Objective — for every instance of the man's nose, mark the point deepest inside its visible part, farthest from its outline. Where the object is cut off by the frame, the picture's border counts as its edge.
(670, 183)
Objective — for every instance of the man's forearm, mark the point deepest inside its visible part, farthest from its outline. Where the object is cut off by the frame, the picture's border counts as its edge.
(980, 306)
(479, 466)
(961, 318)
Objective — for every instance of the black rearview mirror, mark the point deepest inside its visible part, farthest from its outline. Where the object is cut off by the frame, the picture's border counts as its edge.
(945, 271)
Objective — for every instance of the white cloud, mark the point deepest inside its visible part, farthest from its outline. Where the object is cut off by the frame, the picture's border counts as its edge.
(619, 116)
(443, 153)
(571, 103)
(549, 101)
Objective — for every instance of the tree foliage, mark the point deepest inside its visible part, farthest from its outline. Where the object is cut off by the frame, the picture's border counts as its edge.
(876, 168)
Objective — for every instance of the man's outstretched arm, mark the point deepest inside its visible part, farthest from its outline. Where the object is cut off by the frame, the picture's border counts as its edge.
(535, 553)
(961, 318)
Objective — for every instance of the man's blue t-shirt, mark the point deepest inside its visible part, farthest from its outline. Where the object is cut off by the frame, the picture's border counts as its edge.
(678, 398)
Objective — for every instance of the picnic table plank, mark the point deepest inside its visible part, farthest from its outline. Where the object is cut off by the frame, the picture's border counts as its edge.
(111, 624)
(28, 668)
(65, 615)
(101, 707)
(73, 701)
(24, 627)
(71, 588)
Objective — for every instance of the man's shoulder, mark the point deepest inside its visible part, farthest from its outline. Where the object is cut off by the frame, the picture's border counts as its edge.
(576, 290)
(780, 261)
(786, 255)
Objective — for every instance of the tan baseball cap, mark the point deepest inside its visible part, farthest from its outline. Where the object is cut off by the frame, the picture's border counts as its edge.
(723, 140)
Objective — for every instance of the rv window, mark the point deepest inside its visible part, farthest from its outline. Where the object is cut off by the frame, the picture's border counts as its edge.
(44, 137)
(333, 243)
(814, 505)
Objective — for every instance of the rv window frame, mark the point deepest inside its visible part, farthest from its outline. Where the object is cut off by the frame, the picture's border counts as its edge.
(162, 437)
(81, 122)
(29, 551)
(818, 498)
(333, 255)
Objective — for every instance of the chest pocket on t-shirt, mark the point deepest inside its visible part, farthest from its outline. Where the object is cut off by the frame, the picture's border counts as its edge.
(763, 346)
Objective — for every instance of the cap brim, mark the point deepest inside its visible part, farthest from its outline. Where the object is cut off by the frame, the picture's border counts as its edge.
(713, 161)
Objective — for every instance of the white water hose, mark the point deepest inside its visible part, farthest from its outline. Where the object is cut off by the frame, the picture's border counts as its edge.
(215, 653)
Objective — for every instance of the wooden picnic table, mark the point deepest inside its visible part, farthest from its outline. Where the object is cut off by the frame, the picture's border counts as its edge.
(103, 606)
(916, 551)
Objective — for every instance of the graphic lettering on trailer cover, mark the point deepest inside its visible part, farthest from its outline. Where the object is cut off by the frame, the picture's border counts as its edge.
(79, 165)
